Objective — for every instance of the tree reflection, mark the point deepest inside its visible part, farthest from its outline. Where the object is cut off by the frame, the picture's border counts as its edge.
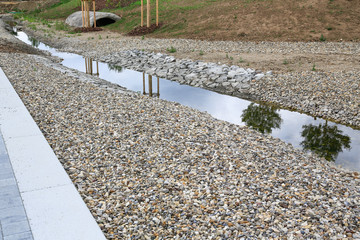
(326, 141)
(261, 118)
(34, 42)
(115, 68)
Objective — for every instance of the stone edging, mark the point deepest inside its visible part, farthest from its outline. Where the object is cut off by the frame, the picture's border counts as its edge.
(231, 80)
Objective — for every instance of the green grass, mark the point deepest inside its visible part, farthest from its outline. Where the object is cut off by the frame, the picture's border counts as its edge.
(61, 26)
(60, 10)
(322, 38)
(131, 14)
(167, 10)
(185, 18)
(313, 68)
(241, 60)
(171, 50)
(33, 27)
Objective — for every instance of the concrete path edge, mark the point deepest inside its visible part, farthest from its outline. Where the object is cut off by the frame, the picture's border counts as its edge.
(54, 207)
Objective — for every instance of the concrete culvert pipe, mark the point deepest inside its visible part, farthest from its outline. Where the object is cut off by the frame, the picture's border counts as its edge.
(102, 19)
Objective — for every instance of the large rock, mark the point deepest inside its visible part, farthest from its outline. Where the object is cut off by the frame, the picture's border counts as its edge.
(102, 19)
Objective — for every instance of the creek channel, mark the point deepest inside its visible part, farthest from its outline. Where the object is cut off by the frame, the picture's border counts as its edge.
(333, 141)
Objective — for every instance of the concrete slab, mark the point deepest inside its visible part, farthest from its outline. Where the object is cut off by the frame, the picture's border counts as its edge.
(19, 236)
(16, 228)
(6, 101)
(52, 204)
(12, 215)
(13, 219)
(35, 164)
(4, 83)
(17, 122)
(62, 205)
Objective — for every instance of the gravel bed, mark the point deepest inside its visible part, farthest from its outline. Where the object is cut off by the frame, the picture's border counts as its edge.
(330, 95)
(120, 42)
(153, 169)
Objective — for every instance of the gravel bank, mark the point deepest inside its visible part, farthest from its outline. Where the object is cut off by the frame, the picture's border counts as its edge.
(150, 168)
(332, 94)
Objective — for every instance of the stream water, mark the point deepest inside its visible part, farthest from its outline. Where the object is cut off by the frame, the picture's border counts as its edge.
(333, 141)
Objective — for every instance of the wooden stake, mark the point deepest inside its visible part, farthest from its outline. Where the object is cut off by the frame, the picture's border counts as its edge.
(158, 87)
(88, 13)
(85, 13)
(86, 68)
(82, 13)
(97, 68)
(157, 12)
(94, 13)
(144, 92)
(150, 85)
(148, 13)
(142, 13)
(91, 65)
(86, 18)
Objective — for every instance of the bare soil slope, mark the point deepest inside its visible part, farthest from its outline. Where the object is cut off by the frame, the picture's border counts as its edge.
(254, 20)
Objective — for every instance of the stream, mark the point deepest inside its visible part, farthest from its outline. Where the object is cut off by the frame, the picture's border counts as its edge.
(333, 141)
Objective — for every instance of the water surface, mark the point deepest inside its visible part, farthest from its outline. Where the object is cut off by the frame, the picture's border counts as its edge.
(333, 141)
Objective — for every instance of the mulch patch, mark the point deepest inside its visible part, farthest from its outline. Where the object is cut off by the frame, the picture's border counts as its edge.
(89, 29)
(140, 31)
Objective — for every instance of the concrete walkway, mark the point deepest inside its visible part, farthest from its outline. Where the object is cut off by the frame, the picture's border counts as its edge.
(37, 198)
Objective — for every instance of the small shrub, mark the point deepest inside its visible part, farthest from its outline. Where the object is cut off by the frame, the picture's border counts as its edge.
(313, 68)
(33, 27)
(171, 50)
(61, 26)
(201, 53)
(285, 62)
(322, 38)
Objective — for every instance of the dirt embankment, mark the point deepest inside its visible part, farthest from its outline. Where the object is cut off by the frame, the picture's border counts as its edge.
(10, 44)
(254, 20)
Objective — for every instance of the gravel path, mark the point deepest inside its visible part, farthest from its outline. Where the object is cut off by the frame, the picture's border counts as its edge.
(149, 168)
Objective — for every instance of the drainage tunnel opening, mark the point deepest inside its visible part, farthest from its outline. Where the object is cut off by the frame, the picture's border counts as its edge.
(104, 21)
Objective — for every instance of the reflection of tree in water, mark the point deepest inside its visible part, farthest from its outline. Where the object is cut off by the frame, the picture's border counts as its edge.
(261, 117)
(34, 42)
(13, 32)
(115, 68)
(326, 141)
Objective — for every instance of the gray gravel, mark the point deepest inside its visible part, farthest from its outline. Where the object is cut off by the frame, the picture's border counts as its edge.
(330, 95)
(149, 168)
